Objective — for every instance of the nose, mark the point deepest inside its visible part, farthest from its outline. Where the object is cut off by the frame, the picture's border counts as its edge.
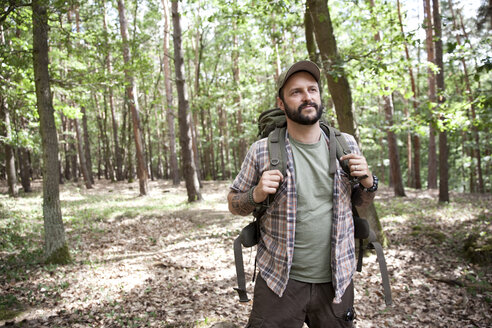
(307, 96)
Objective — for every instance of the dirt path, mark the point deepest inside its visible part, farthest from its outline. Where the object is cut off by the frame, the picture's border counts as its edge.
(162, 263)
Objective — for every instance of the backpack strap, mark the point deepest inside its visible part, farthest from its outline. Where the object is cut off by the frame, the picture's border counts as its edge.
(374, 244)
(276, 150)
(277, 154)
(241, 279)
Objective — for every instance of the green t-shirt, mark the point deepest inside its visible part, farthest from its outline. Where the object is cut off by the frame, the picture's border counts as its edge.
(314, 186)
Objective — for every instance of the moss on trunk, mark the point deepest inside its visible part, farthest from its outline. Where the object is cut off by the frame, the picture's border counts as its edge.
(60, 256)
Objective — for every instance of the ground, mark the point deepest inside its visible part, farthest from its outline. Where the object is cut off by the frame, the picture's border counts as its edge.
(157, 261)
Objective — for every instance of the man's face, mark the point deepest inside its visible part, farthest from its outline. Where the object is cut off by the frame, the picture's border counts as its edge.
(302, 102)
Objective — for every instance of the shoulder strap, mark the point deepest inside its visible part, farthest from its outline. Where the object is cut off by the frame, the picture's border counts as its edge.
(276, 150)
(338, 148)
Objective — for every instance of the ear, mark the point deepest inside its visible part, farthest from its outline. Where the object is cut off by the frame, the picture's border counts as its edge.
(280, 104)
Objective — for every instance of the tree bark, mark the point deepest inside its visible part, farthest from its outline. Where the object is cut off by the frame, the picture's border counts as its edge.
(87, 145)
(330, 60)
(9, 151)
(309, 34)
(64, 137)
(56, 248)
(443, 145)
(173, 159)
(432, 157)
(131, 93)
(82, 159)
(185, 133)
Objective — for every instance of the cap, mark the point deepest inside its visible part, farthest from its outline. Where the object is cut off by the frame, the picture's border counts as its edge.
(303, 65)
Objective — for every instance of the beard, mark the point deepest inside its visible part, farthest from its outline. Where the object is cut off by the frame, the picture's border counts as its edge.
(298, 117)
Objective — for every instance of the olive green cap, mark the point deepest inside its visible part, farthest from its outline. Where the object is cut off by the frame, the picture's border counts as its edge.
(303, 65)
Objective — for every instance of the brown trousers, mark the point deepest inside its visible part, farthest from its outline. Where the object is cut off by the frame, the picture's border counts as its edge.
(301, 302)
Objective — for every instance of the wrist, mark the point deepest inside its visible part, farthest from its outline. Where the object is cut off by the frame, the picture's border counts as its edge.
(374, 186)
(368, 181)
(252, 198)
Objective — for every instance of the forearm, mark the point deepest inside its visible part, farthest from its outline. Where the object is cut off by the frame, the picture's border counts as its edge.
(239, 203)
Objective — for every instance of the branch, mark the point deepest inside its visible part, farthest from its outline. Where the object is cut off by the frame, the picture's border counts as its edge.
(11, 8)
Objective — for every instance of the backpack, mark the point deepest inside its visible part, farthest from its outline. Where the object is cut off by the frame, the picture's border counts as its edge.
(272, 124)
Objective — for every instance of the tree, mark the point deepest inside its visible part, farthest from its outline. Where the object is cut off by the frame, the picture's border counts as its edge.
(109, 67)
(414, 142)
(56, 248)
(339, 87)
(431, 77)
(169, 98)
(443, 143)
(132, 100)
(333, 68)
(185, 133)
(7, 136)
(392, 141)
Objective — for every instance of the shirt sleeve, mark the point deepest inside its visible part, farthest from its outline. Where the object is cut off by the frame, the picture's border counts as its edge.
(248, 177)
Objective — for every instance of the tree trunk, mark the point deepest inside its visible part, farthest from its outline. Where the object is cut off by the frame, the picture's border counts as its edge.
(443, 145)
(82, 159)
(104, 140)
(394, 156)
(185, 133)
(87, 145)
(56, 248)
(24, 164)
(243, 147)
(338, 86)
(173, 159)
(131, 93)
(9, 152)
(331, 63)
(309, 34)
(393, 148)
(432, 157)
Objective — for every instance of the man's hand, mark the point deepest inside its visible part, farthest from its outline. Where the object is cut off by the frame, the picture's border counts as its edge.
(359, 168)
(269, 183)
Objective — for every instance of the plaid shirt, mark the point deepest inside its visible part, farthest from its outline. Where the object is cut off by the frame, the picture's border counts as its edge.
(276, 246)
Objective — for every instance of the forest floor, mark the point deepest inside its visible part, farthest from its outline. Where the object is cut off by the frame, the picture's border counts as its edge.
(157, 261)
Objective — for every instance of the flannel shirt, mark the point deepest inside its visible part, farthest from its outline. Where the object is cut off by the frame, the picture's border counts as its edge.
(276, 245)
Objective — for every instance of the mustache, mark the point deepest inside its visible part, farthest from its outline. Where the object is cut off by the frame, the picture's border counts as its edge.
(306, 104)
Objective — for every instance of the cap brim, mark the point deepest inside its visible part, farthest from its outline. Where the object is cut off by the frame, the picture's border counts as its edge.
(304, 65)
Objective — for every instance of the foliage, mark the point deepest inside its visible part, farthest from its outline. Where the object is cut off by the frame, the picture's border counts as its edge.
(260, 35)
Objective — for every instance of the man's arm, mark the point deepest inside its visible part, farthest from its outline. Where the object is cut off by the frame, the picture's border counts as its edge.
(239, 203)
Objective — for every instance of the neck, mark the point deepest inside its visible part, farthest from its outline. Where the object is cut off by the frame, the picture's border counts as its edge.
(308, 134)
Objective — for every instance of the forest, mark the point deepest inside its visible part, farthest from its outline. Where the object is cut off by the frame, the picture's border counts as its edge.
(123, 123)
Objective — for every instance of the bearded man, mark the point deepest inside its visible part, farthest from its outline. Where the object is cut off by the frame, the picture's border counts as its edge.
(306, 252)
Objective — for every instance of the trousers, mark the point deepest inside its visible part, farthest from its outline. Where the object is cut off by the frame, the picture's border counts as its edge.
(301, 303)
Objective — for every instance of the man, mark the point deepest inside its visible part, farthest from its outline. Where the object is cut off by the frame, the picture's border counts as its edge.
(306, 253)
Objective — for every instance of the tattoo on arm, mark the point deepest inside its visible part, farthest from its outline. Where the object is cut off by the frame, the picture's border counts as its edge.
(239, 204)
